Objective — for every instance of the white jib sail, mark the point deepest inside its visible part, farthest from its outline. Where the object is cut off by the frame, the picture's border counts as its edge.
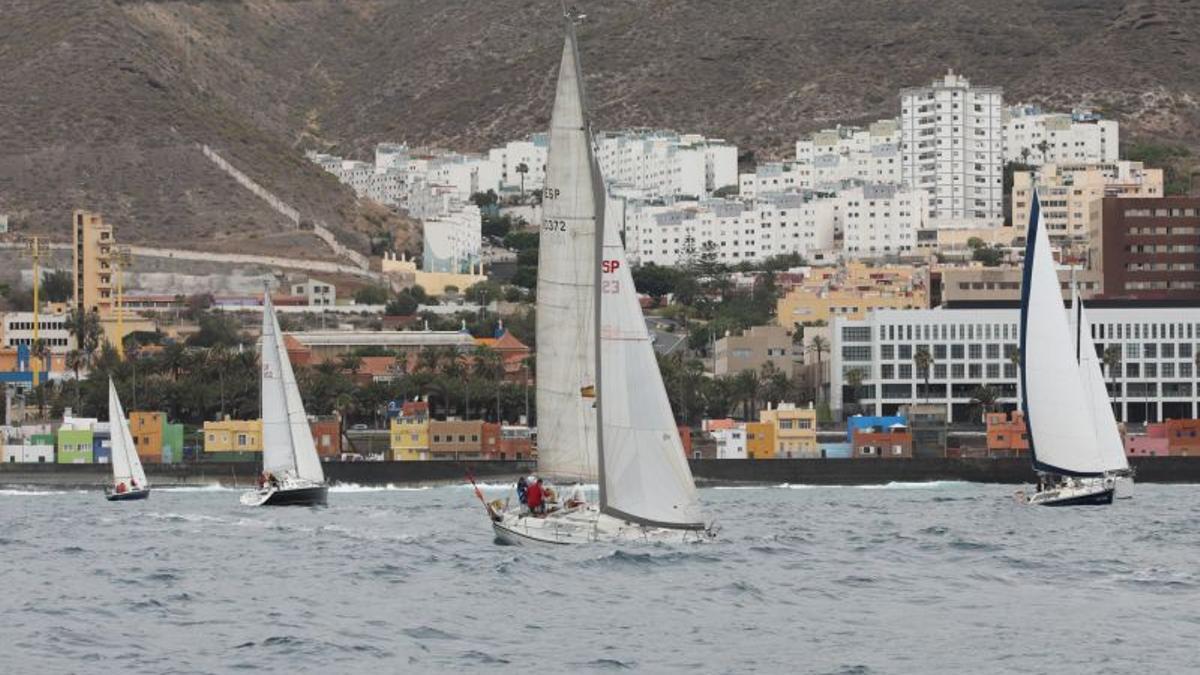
(1104, 423)
(127, 466)
(646, 474)
(1058, 411)
(566, 282)
(287, 439)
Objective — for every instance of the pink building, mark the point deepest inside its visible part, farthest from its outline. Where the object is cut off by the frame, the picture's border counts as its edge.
(1154, 444)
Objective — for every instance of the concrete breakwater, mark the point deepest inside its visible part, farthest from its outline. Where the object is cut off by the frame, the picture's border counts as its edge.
(706, 471)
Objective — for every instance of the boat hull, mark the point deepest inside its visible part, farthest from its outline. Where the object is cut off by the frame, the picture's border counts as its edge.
(1091, 494)
(313, 495)
(582, 526)
(128, 496)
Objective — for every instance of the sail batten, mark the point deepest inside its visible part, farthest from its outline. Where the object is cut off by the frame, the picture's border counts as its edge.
(1057, 413)
(288, 447)
(567, 432)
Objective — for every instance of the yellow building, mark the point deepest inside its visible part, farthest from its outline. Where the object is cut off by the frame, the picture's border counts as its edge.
(406, 273)
(760, 440)
(794, 430)
(230, 435)
(1071, 195)
(94, 246)
(410, 438)
(147, 431)
(852, 291)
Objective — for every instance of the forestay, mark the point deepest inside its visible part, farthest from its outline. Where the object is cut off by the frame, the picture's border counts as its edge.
(645, 473)
(1104, 423)
(1057, 412)
(127, 466)
(287, 438)
(573, 201)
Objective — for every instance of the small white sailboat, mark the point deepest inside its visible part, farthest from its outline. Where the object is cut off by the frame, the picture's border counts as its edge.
(129, 479)
(292, 474)
(603, 409)
(1067, 432)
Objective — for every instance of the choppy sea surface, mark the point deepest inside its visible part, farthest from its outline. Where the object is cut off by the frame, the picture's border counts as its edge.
(905, 578)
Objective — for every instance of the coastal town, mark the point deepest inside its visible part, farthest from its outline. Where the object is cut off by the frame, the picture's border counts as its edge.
(857, 300)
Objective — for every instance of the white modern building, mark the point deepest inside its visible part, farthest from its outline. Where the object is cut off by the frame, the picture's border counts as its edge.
(52, 331)
(512, 155)
(952, 146)
(1156, 379)
(733, 231)
(666, 164)
(770, 177)
(1035, 137)
(881, 220)
(318, 293)
(731, 441)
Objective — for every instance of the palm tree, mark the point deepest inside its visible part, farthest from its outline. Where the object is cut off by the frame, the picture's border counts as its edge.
(75, 361)
(489, 366)
(924, 361)
(854, 380)
(1112, 361)
(216, 358)
(819, 345)
(522, 169)
(173, 359)
(985, 398)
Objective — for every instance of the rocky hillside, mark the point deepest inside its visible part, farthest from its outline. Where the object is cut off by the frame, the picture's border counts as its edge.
(106, 100)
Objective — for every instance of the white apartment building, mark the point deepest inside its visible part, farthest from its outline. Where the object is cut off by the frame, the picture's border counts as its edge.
(666, 164)
(1072, 194)
(1157, 378)
(770, 177)
(531, 153)
(827, 159)
(384, 185)
(952, 146)
(453, 240)
(467, 174)
(52, 331)
(672, 234)
(1034, 137)
(881, 220)
(731, 441)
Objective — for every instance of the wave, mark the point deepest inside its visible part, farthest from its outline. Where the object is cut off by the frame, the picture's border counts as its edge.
(893, 485)
(355, 487)
(211, 487)
(18, 492)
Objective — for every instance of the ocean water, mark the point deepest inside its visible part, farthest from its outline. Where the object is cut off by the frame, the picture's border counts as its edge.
(910, 578)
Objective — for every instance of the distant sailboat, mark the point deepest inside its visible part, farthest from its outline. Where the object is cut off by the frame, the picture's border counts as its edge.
(129, 479)
(1069, 437)
(291, 467)
(603, 409)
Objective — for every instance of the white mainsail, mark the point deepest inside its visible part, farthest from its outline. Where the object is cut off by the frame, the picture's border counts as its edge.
(1057, 411)
(127, 466)
(288, 446)
(1104, 422)
(573, 201)
(644, 475)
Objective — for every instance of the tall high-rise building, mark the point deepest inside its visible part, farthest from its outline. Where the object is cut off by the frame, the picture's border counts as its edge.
(94, 247)
(952, 146)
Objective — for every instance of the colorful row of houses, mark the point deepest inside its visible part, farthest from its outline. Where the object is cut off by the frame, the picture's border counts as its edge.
(414, 436)
(242, 440)
(86, 440)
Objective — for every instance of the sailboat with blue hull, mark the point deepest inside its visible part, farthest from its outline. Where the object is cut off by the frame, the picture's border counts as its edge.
(1071, 435)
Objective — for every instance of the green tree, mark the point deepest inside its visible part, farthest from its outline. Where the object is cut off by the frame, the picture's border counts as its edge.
(854, 382)
(985, 398)
(522, 169)
(1112, 362)
(57, 286)
(371, 295)
(923, 359)
(404, 304)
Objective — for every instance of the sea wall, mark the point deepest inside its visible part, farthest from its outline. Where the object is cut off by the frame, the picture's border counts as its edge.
(243, 474)
(706, 471)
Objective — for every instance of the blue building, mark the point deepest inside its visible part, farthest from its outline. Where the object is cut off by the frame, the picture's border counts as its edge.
(872, 421)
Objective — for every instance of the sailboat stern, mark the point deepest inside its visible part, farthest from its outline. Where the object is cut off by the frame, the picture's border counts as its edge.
(128, 496)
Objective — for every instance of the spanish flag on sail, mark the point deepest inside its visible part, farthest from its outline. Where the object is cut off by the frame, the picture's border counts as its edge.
(588, 392)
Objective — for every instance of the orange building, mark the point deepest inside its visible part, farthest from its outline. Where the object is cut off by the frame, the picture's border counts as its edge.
(147, 431)
(489, 440)
(685, 435)
(516, 442)
(1183, 437)
(512, 352)
(874, 443)
(1007, 436)
(327, 435)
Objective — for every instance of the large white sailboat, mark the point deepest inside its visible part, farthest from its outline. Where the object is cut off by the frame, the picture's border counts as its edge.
(602, 407)
(129, 479)
(1104, 421)
(292, 474)
(1070, 431)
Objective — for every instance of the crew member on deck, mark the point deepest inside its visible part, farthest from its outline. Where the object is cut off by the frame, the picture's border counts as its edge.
(522, 489)
(534, 498)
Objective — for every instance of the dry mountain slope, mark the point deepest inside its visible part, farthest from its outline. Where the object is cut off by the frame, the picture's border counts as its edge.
(109, 97)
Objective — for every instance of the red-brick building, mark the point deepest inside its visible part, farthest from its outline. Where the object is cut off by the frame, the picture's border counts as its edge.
(875, 443)
(1007, 436)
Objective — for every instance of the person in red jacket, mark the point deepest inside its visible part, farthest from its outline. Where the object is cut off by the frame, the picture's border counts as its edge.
(534, 498)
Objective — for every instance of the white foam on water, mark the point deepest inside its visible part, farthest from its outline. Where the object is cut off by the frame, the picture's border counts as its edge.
(211, 487)
(355, 487)
(17, 492)
(893, 485)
